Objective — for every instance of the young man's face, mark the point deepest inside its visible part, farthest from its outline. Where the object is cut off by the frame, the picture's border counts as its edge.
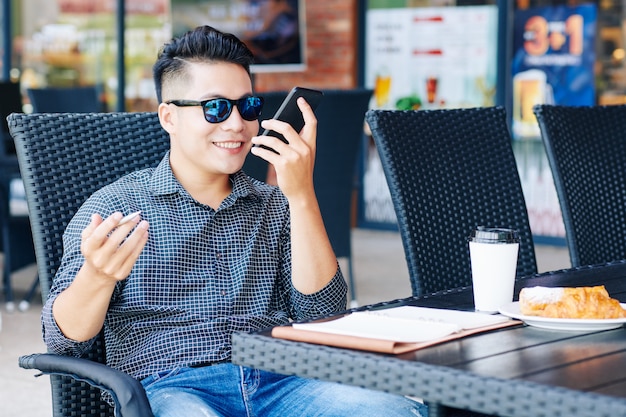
(200, 148)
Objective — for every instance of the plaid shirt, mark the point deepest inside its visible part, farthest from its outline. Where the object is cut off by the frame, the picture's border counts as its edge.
(203, 274)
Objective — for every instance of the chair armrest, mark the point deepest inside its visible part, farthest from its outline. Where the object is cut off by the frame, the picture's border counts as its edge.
(128, 393)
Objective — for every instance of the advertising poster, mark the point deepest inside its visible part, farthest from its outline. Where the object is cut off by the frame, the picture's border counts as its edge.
(553, 61)
(423, 58)
(273, 29)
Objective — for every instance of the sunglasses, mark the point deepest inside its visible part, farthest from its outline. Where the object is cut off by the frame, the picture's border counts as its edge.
(216, 110)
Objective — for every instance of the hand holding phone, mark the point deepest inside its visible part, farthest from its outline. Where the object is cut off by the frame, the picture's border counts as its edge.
(290, 112)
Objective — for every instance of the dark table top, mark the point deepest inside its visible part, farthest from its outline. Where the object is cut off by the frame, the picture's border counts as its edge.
(519, 371)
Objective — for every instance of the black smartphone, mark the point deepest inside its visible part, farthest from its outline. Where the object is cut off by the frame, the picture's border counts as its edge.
(290, 112)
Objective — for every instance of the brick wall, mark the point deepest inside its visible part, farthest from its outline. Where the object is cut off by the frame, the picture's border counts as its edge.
(331, 38)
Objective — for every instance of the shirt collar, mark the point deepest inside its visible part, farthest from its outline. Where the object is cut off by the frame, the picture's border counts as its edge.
(163, 181)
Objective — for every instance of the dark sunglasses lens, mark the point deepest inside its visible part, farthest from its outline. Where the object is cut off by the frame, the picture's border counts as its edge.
(250, 107)
(217, 110)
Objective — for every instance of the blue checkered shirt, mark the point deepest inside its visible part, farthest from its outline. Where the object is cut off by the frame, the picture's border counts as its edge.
(203, 274)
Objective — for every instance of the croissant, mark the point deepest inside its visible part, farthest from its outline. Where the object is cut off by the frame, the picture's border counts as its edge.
(570, 303)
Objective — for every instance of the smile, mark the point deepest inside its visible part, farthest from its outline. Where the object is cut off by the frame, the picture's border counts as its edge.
(228, 145)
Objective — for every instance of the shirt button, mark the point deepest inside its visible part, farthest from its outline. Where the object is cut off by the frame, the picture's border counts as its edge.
(218, 255)
(223, 292)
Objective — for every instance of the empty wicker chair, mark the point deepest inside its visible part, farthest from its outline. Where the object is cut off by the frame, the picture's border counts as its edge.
(340, 115)
(64, 158)
(84, 99)
(449, 171)
(17, 243)
(586, 150)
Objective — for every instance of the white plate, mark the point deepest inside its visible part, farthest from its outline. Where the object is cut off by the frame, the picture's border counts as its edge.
(512, 310)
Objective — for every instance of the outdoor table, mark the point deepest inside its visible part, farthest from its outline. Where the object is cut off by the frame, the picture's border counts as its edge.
(517, 371)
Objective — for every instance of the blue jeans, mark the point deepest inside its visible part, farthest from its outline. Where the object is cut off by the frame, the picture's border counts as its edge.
(229, 390)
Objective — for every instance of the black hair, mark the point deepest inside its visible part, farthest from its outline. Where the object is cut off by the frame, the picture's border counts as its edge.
(202, 44)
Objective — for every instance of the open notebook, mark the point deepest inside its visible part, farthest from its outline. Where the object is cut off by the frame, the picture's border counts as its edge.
(394, 330)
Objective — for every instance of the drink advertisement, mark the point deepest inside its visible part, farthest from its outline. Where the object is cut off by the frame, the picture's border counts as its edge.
(553, 61)
(423, 58)
(419, 58)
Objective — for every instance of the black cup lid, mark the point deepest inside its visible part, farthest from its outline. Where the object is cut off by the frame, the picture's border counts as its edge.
(484, 234)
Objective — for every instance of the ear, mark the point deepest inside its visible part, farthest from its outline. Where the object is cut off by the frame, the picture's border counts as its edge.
(167, 117)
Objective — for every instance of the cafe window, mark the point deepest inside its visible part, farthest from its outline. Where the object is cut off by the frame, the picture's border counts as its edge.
(67, 43)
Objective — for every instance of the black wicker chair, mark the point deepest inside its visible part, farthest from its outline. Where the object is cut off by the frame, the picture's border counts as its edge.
(16, 241)
(64, 158)
(449, 171)
(340, 116)
(83, 99)
(586, 150)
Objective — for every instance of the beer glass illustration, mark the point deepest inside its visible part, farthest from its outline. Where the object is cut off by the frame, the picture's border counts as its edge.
(382, 87)
(529, 88)
(431, 89)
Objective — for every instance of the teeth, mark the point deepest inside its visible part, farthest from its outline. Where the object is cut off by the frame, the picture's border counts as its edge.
(228, 145)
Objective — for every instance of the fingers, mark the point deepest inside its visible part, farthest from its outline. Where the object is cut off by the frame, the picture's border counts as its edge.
(95, 222)
(129, 217)
(113, 248)
(278, 126)
(98, 231)
(309, 131)
(131, 248)
(293, 162)
(294, 139)
(269, 148)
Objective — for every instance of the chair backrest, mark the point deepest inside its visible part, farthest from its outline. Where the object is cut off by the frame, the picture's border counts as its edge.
(10, 102)
(341, 117)
(449, 171)
(64, 158)
(82, 99)
(16, 243)
(586, 150)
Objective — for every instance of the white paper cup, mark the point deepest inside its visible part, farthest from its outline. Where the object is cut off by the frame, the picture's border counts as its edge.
(493, 254)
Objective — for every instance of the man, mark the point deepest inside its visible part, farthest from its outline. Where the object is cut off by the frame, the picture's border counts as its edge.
(214, 252)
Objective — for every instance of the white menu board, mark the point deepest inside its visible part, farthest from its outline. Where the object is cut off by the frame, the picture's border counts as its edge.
(424, 58)
(443, 57)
